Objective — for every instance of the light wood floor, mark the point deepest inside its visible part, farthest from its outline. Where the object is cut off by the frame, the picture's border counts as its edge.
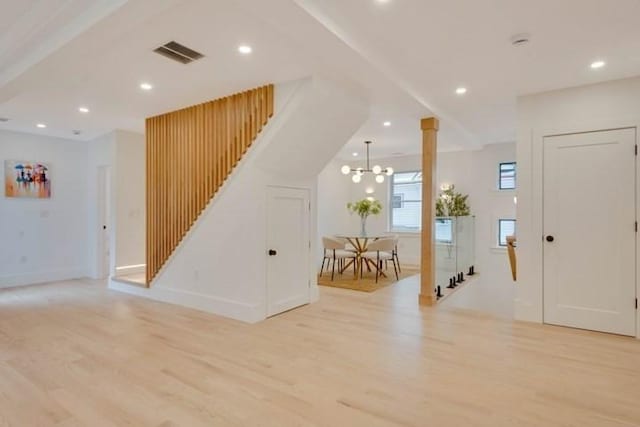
(76, 354)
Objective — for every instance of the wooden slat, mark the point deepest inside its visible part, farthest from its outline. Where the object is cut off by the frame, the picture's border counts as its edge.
(189, 155)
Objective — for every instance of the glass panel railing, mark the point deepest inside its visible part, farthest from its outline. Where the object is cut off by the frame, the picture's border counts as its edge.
(455, 247)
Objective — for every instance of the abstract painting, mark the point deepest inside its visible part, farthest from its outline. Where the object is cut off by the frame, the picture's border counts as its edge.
(27, 179)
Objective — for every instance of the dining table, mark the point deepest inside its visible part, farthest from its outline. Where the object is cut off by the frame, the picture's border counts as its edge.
(360, 242)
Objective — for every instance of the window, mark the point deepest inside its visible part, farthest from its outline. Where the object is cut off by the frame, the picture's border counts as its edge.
(506, 227)
(507, 178)
(444, 230)
(406, 201)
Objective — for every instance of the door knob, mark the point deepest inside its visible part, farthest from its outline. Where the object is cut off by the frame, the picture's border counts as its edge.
(272, 252)
(549, 239)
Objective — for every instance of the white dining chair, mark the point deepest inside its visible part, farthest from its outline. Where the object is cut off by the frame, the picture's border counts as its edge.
(381, 250)
(396, 239)
(334, 250)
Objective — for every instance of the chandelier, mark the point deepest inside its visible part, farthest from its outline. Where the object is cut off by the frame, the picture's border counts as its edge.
(358, 172)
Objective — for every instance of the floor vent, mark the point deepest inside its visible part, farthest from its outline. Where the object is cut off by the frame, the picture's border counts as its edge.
(177, 52)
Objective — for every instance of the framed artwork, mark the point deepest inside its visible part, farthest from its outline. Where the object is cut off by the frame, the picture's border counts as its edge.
(24, 179)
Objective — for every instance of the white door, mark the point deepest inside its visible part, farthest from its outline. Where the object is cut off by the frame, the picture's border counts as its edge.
(104, 229)
(287, 249)
(590, 231)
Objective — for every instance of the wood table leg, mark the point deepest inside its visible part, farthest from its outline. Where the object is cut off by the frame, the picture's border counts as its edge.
(351, 261)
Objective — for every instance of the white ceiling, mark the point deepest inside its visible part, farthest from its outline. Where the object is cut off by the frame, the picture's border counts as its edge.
(102, 68)
(430, 47)
(32, 29)
(405, 56)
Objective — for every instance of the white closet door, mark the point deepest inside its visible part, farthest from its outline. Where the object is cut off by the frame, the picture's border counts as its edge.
(589, 231)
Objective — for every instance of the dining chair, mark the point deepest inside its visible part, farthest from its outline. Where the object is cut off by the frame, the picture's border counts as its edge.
(334, 250)
(380, 250)
(396, 239)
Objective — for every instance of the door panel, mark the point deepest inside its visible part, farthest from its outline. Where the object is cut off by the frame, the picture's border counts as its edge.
(104, 209)
(288, 238)
(589, 211)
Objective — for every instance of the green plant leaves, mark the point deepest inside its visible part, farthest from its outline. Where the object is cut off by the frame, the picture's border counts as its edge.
(365, 207)
(450, 203)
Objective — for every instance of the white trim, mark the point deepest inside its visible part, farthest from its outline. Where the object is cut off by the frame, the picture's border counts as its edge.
(533, 310)
(42, 277)
(310, 267)
(250, 313)
(130, 269)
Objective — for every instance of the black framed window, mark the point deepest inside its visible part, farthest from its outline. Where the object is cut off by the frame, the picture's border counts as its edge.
(506, 227)
(507, 176)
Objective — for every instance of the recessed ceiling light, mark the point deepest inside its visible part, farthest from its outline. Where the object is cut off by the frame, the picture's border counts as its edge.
(386, 124)
(461, 90)
(354, 154)
(41, 125)
(245, 49)
(146, 86)
(597, 64)
(84, 110)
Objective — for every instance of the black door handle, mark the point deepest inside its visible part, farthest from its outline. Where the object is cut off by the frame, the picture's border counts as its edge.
(549, 239)
(272, 252)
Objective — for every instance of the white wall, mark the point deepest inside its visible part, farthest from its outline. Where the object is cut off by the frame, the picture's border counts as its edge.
(128, 180)
(44, 239)
(220, 265)
(124, 153)
(101, 152)
(477, 173)
(334, 193)
(472, 172)
(335, 190)
(587, 108)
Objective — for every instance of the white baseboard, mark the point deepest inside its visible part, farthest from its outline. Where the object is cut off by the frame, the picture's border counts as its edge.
(314, 294)
(35, 278)
(125, 270)
(250, 313)
(525, 311)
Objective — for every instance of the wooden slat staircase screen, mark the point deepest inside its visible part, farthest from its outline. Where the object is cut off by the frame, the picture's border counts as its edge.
(189, 154)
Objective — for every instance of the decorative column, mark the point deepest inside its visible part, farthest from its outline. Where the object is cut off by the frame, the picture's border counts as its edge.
(429, 128)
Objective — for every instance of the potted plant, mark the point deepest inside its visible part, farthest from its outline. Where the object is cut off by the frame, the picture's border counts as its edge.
(364, 208)
(451, 203)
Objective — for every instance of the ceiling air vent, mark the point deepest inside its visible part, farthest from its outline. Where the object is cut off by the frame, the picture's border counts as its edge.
(3, 119)
(177, 52)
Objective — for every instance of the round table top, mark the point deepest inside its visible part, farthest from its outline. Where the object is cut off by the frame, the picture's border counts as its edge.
(360, 236)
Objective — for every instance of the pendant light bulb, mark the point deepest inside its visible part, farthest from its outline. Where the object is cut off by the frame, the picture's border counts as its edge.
(376, 169)
(379, 179)
(345, 169)
(356, 178)
(389, 171)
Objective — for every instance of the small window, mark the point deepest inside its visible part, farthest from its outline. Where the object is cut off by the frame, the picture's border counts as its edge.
(506, 227)
(405, 209)
(444, 230)
(507, 179)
